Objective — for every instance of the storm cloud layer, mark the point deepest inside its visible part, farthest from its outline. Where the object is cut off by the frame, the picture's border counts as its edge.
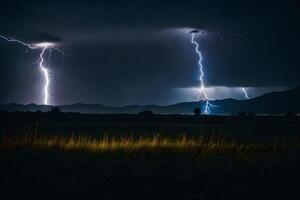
(139, 52)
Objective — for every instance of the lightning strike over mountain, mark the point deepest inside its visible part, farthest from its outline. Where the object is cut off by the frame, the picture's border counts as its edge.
(202, 89)
(245, 93)
(44, 46)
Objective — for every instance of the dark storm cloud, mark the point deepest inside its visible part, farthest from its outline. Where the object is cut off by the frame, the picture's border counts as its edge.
(138, 51)
(194, 31)
(37, 37)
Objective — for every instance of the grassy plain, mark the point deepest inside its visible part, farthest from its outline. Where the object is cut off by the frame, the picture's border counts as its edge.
(149, 164)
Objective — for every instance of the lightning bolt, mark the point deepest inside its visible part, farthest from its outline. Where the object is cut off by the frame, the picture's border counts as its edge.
(245, 93)
(202, 89)
(46, 76)
(44, 46)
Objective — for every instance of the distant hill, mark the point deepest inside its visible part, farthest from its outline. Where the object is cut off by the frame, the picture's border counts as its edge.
(270, 103)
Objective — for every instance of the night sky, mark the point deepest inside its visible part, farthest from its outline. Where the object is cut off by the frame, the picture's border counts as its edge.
(139, 52)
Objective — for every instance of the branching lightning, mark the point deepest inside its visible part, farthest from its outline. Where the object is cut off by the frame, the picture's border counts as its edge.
(44, 46)
(245, 93)
(202, 89)
(18, 41)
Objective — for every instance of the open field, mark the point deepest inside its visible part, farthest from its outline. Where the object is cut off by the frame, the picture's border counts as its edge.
(197, 147)
(156, 157)
(171, 125)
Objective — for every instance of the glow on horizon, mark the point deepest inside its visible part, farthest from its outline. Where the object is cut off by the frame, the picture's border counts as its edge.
(184, 94)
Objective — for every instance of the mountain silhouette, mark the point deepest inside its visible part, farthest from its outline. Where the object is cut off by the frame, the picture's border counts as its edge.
(270, 103)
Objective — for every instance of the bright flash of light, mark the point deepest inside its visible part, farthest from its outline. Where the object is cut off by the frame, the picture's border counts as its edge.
(46, 76)
(245, 93)
(203, 94)
(44, 46)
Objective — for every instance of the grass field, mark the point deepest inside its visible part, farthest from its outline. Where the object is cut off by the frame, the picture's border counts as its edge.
(38, 164)
(197, 146)
(158, 167)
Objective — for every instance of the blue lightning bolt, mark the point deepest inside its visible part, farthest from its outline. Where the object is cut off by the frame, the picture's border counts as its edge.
(44, 46)
(245, 93)
(202, 90)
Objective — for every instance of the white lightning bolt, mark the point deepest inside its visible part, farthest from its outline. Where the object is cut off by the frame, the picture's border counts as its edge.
(46, 76)
(245, 93)
(44, 46)
(202, 89)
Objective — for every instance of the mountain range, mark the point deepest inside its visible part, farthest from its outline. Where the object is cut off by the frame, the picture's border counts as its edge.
(270, 103)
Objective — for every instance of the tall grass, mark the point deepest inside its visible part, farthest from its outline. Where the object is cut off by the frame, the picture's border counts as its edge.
(199, 146)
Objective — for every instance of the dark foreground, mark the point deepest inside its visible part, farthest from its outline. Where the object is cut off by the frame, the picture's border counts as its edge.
(31, 174)
(218, 165)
